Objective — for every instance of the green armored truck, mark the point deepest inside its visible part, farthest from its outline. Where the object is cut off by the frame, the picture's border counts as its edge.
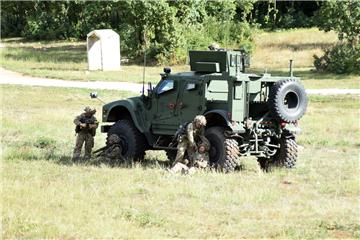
(247, 114)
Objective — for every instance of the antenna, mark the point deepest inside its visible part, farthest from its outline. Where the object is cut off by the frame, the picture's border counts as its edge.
(143, 88)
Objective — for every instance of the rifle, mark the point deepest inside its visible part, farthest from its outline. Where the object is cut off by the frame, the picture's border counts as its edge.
(181, 131)
(101, 149)
(87, 121)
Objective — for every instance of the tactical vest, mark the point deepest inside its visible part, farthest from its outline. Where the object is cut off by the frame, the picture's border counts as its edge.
(87, 129)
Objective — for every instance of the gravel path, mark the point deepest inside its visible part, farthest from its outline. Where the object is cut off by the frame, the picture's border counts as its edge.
(9, 77)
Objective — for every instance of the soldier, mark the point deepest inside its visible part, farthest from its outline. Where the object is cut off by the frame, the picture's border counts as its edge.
(113, 151)
(86, 125)
(179, 168)
(214, 47)
(194, 131)
(198, 161)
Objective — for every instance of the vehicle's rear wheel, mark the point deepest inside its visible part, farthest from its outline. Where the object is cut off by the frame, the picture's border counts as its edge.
(133, 142)
(286, 155)
(224, 152)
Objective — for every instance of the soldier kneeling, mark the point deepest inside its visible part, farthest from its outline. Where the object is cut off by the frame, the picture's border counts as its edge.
(192, 133)
(112, 153)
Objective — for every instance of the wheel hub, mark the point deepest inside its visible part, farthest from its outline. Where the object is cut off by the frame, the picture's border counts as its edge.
(291, 100)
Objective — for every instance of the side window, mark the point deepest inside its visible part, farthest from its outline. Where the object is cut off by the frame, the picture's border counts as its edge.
(165, 86)
(217, 90)
(218, 86)
(190, 86)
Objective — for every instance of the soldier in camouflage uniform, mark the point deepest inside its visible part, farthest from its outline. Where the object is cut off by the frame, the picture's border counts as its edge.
(198, 161)
(187, 142)
(113, 152)
(86, 125)
(214, 47)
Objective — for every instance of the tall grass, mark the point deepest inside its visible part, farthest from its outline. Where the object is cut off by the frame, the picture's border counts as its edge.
(45, 195)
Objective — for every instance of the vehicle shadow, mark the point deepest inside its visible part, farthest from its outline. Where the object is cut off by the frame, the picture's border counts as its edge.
(123, 163)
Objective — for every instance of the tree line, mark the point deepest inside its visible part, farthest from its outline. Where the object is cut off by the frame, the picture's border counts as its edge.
(165, 28)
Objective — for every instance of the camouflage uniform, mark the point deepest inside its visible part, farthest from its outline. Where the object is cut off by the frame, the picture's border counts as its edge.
(113, 153)
(180, 168)
(86, 125)
(198, 161)
(216, 47)
(187, 142)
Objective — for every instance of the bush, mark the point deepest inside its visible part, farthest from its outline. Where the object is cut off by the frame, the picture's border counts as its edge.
(344, 19)
(228, 34)
(342, 58)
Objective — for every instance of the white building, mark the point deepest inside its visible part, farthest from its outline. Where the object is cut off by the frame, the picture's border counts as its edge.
(103, 50)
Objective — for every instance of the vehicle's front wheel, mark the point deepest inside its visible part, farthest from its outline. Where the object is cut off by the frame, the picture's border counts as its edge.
(133, 142)
(285, 157)
(224, 152)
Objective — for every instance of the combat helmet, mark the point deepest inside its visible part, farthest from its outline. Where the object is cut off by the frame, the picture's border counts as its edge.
(91, 110)
(200, 119)
(113, 139)
(214, 47)
(204, 147)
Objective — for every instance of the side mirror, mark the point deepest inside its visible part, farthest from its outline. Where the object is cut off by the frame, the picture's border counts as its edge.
(93, 95)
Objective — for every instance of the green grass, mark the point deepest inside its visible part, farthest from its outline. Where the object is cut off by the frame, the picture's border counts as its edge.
(67, 60)
(44, 195)
(274, 49)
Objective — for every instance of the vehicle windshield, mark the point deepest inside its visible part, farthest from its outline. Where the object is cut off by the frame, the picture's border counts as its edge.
(165, 86)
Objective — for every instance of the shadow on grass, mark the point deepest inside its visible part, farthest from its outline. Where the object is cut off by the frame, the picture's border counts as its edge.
(46, 151)
(69, 53)
(98, 161)
(20, 40)
(298, 46)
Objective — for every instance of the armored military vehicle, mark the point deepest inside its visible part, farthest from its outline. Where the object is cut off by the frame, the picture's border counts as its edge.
(247, 114)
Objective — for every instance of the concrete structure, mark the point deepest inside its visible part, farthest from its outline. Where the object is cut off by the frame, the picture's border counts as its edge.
(103, 50)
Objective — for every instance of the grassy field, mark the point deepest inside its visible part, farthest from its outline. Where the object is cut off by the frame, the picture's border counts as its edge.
(45, 195)
(67, 60)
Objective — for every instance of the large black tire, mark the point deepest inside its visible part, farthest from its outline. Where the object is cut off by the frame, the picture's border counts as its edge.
(285, 157)
(287, 100)
(224, 152)
(133, 142)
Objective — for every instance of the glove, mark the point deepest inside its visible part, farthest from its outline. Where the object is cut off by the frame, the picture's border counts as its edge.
(82, 125)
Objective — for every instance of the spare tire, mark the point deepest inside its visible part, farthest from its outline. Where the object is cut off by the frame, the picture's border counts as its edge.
(287, 100)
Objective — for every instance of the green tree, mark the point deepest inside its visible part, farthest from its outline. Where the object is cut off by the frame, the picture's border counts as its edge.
(344, 18)
(168, 28)
(154, 24)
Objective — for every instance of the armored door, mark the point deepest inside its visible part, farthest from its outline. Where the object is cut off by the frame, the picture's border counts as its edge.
(192, 100)
(166, 120)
